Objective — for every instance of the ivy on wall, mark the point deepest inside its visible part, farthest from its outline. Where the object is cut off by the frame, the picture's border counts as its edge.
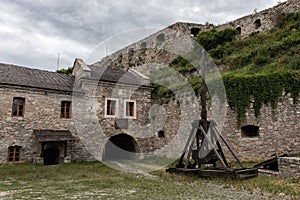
(259, 69)
(259, 89)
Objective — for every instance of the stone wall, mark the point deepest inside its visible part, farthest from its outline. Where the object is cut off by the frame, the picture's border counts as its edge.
(42, 111)
(279, 131)
(96, 128)
(264, 20)
(289, 167)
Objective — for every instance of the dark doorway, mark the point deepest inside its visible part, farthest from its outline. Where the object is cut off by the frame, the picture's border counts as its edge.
(120, 147)
(51, 156)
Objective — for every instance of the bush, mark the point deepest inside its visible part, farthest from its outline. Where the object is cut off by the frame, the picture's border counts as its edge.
(261, 60)
(212, 39)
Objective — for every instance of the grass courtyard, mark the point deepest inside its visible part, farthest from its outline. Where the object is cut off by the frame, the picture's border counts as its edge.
(96, 181)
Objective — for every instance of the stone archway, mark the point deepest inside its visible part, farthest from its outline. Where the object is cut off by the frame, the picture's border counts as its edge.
(120, 147)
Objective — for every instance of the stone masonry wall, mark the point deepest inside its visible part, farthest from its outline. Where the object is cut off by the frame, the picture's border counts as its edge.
(264, 20)
(98, 128)
(42, 111)
(289, 167)
(279, 131)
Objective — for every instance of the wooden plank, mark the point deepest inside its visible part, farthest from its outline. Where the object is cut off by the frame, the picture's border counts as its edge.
(214, 149)
(229, 147)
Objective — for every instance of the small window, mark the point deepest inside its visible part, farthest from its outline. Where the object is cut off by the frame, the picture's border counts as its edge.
(65, 109)
(130, 109)
(161, 134)
(250, 131)
(111, 107)
(239, 29)
(195, 31)
(257, 23)
(14, 153)
(18, 107)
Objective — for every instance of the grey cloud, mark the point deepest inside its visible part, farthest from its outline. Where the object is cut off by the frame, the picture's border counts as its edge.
(38, 30)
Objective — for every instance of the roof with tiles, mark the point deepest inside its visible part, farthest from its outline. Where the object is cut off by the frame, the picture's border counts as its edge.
(24, 76)
(27, 77)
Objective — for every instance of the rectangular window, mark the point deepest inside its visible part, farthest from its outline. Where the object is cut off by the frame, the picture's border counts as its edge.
(14, 153)
(130, 109)
(65, 109)
(18, 107)
(250, 131)
(111, 107)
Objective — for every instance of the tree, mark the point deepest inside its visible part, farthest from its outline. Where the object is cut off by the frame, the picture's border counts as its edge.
(67, 71)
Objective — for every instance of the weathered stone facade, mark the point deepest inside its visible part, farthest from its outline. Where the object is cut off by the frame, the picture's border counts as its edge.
(42, 111)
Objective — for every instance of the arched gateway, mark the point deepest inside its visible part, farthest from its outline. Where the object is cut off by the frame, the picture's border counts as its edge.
(120, 147)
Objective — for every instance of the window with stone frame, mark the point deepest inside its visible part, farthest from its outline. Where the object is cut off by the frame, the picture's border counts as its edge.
(130, 109)
(65, 109)
(111, 107)
(18, 107)
(14, 153)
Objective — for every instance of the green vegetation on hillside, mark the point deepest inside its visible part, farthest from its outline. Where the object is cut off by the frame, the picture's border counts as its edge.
(258, 69)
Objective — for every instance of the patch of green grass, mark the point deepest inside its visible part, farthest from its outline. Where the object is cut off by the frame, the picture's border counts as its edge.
(274, 185)
(96, 181)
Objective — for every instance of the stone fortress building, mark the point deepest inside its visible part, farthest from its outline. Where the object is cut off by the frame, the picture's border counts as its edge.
(38, 122)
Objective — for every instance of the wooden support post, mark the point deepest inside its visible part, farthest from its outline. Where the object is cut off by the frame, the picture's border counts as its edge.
(229, 147)
(214, 149)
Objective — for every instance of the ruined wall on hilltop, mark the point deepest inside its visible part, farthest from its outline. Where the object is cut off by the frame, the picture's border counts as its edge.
(264, 20)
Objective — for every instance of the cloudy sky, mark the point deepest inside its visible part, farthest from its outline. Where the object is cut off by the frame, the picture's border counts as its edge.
(34, 32)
